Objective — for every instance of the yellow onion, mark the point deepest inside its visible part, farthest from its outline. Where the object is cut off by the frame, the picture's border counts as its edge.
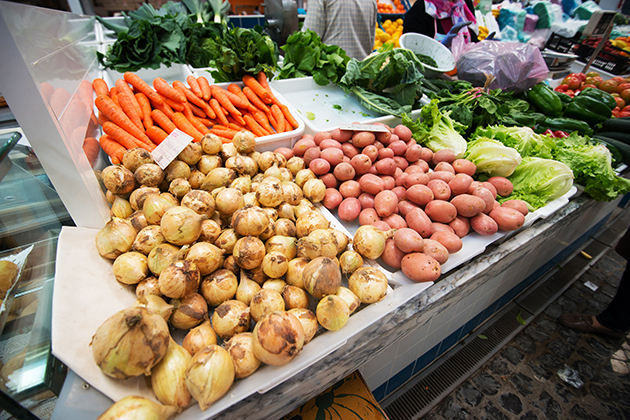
(269, 231)
(149, 175)
(110, 197)
(115, 238)
(319, 243)
(273, 171)
(130, 267)
(266, 160)
(209, 375)
(200, 201)
(241, 349)
(130, 343)
(181, 225)
(244, 141)
(154, 207)
(269, 192)
(168, 379)
(243, 165)
(369, 241)
(179, 279)
(230, 264)
(249, 199)
(227, 240)
(265, 302)
(227, 151)
(294, 297)
(148, 286)
(161, 257)
(179, 187)
(278, 338)
(342, 240)
(369, 284)
(274, 284)
(294, 272)
(257, 275)
(308, 320)
(228, 201)
(134, 158)
(350, 261)
(295, 164)
(292, 193)
(155, 304)
(206, 256)
(281, 160)
(137, 197)
(275, 264)
(332, 312)
(219, 287)
(210, 231)
(310, 221)
(121, 208)
(272, 213)
(285, 211)
(208, 163)
(351, 299)
(304, 175)
(304, 207)
(249, 252)
(250, 220)
(211, 144)
(321, 277)
(285, 227)
(243, 184)
(134, 407)
(189, 311)
(176, 169)
(137, 220)
(147, 239)
(170, 198)
(118, 179)
(217, 178)
(199, 337)
(196, 178)
(230, 318)
(246, 289)
(314, 190)
(191, 153)
(286, 175)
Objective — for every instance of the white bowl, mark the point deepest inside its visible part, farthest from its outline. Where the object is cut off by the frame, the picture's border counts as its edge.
(422, 44)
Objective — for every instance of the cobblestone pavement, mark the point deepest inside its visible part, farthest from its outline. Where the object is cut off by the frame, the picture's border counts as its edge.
(521, 380)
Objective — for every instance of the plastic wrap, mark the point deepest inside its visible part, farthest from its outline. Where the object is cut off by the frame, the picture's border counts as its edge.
(514, 66)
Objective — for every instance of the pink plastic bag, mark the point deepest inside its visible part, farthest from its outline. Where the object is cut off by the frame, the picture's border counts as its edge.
(513, 66)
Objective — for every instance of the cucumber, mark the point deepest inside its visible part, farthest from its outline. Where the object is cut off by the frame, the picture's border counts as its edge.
(621, 147)
(617, 124)
(617, 135)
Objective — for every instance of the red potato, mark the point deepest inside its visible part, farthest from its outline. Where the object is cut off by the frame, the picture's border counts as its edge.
(403, 132)
(349, 209)
(408, 240)
(503, 185)
(398, 173)
(468, 205)
(392, 256)
(405, 207)
(460, 184)
(401, 162)
(507, 218)
(372, 170)
(464, 166)
(349, 150)
(371, 184)
(379, 145)
(385, 203)
(418, 220)
(486, 196)
(344, 171)
(444, 166)
(395, 221)
(415, 178)
(401, 192)
(302, 145)
(444, 155)
(381, 225)
(440, 211)
(422, 164)
(441, 190)
(363, 138)
(414, 169)
(445, 176)
(384, 137)
(385, 166)
(450, 240)
(490, 187)
(366, 200)
(420, 267)
(328, 143)
(388, 181)
(398, 147)
(385, 153)
(473, 186)
(461, 226)
(332, 198)
(436, 250)
(413, 152)
(361, 163)
(427, 154)
(371, 151)
(420, 194)
(350, 188)
(284, 151)
(368, 216)
(441, 227)
(329, 180)
(484, 224)
(393, 137)
(519, 205)
(341, 136)
(496, 204)
(319, 166)
(310, 154)
(333, 155)
(400, 179)
(322, 135)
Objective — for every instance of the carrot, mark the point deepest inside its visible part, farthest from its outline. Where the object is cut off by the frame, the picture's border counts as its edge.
(261, 118)
(186, 126)
(280, 121)
(228, 133)
(163, 88)
(175, 106)
(205, 88)
(194, 86)
(260, 91)
(165, 108)
(100, 87)
(254, 126)
(187, 111)
(224, 100)
(236, 90)
(207, 122)
(225, 140)
(102, 118)
(237, 127)
(192, 98)
(142, 86)
(236, 100)
(128, 103)
(288, 116)
(156, 134)
(198, 124)
(112, 147)
(197, 112)
(123, 137)
(261, 77)
(255, 100)
(91, 147)
(163, 121)
(216, 107)
(117, 116)
(113, 93)
(145, 106)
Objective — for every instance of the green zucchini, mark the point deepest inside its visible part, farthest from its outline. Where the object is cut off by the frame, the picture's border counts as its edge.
(621, 147)
(617, 135)
(617, 124)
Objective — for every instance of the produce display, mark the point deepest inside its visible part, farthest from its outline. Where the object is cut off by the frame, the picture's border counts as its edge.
(396, 7)
(389, 34)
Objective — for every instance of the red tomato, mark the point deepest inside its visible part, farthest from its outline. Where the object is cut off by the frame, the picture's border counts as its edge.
(592, 74)
(548, 132)
(588, 85)
(620, 102)
(625, 95)
(623, 114)
(622, 86)
(595, 80)
(572, 81)
(560, 134)
(570, 93)
(626, 108)
(580, 76)
(609, 86)
(618, 79)
(562, 88)
(615, 114)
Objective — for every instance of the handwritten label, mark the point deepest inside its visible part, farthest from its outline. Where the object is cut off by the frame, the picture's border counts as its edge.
(364, 127)
(170, 148)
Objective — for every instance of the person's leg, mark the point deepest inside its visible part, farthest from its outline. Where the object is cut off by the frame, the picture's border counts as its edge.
(616, 316)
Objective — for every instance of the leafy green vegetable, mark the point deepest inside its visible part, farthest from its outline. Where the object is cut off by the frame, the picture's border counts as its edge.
(425, 59)
(436, 130)
(523, 139)
(306, 55)
(492, 157)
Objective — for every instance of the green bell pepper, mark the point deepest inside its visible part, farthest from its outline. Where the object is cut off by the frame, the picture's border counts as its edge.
(545, 99)
(600, 95)
(566, 124)
(588, 109)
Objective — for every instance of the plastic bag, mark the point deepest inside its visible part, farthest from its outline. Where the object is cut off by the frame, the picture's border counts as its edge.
(514, 66)
(586, 10)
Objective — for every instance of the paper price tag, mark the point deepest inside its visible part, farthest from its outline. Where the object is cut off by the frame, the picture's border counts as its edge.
(364, 127)
(170, 148)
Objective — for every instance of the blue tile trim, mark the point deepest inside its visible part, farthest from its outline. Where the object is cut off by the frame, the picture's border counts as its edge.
(400, 378)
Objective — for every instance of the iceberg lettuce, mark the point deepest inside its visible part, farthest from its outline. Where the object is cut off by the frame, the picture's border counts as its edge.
(492, 157)
(539, 181)
(523, 139)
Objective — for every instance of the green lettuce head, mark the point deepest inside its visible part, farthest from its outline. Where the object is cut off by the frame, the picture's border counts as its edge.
(492, 157)
(539, 181)
(523, 139)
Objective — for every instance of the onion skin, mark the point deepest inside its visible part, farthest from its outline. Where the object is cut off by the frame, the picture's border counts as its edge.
(219, 287)
(199, 337)
(321, 277)
(278, 338)
(115, 238)
(230, 318)
(308, 320)
(369, 284)
(134, 407)
(210, 375)
(179, 279)
(332, 312)
(265, 302)
(167, 377)
(241, 348)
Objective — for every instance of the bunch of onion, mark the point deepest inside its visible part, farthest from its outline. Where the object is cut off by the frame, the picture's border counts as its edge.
(168, 380)
(135, 407)
(369, 241)
(181, 225)
(115, 238)
(219, 286)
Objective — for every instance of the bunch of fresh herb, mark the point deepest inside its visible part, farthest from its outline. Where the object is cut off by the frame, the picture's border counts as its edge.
(306, 55)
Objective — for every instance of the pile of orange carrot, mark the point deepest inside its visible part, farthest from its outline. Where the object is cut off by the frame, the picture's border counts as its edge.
(135, 114)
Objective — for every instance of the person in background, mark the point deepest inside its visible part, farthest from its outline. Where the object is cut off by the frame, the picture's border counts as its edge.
(614, 321)
(349, 24)
(440, 19)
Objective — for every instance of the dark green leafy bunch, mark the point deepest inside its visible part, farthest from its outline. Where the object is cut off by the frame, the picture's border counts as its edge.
(306, 55)
(386, 83)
